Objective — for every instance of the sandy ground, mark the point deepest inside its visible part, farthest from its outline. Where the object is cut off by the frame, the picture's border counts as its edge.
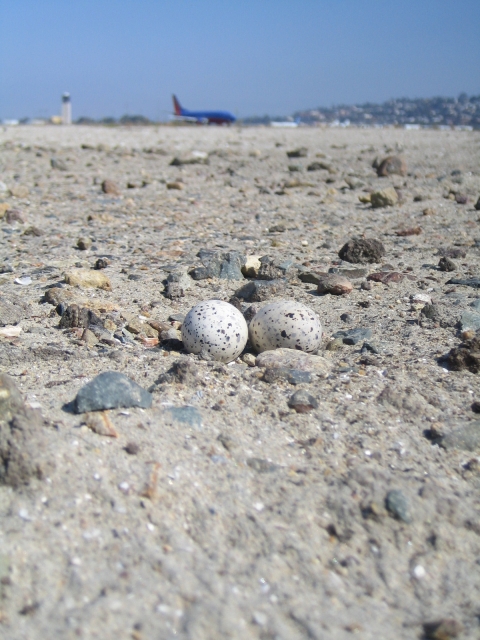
(249, 520)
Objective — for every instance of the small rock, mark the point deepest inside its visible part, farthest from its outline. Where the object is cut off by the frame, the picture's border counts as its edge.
(470, 320)
(422, 298)
(461, 198)
(445, 264)
(251, 267)
(177, 186)
(132, 448)
(293, 376)
(477, 205)
(249, 358)
(110, 188)
(465, 438)
(351, 274)
(101, 263)
(311, 277)
(14, 215)
(13, 310)
(385, 198)
(276, 268)
(260, 290)
(196, 158)
(302, 402)
(392, 165)
(335, 285)
(99, 422)
(76, 316)
(111, 390)
(301, 152)
(353, 336)
(362, 251)
(386, 277)
(33, 231)
(84, 243)
(428, 211)
(261, 465)
(292, 359)
(57, 163)
(432, 312)
(174, 291)
(442, 629)
(335, 345)
(465, 356)
(185, 415)
(451, 252)
(409, 231)
(24, 280)
(466, 282)
(88, 278)
(89, 338)
(136, 327)
(397, 504)
(318, 166)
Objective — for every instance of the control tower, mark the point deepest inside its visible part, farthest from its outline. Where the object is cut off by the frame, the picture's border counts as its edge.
(66, 109)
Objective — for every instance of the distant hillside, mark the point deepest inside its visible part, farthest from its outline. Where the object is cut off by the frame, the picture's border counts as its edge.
(463, 111)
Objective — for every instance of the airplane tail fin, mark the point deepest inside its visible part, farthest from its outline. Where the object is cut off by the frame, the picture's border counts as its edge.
(177, 106)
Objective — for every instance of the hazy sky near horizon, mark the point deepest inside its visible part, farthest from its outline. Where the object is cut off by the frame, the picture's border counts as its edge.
(251, 57)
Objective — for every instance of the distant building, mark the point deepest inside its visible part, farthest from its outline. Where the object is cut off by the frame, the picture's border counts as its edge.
(66, 109)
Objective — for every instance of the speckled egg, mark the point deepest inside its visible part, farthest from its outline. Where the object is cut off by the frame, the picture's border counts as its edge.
(285, 324)
(215, 329)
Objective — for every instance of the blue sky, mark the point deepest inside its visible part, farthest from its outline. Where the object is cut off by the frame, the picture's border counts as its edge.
(251, 57)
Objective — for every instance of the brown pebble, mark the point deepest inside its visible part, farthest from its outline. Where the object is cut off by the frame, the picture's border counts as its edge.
(411, 231)
(132, 448)
(442, 629)
(429, 211)
(84, 243)
(461, 198)
(99, 422)
(109, 187)
(445, 264)
(336, 285)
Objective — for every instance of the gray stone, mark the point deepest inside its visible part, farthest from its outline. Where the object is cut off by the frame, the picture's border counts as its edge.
(470, 320)
(466, 282)
(351, 274)
(185, 415)
(217, 264)
(292, 359)
(353, 336)
(111, 390)
(302, 402)
(293, 376)
(261, 466)
(476, 304)
(276, 268)
(260, 290)
(13, 310)
(311, 277)
(362, 251)
(57, 163)
(397, 504)
(301, 152)
(466, 437)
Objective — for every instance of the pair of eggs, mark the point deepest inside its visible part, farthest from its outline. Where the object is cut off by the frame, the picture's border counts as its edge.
(218, 330)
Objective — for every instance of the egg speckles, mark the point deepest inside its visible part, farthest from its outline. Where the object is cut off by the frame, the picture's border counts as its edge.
(285, 324)
(215, 329)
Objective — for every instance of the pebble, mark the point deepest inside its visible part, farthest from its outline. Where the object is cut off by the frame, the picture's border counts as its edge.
(293, 376)
(353, 336)
(309, 276)
(101, 263)
(301, 152)
(421, 298)
(261, 465)
(216, 330)
(185, 415)
(476, 304)
(99, 422)
(386, 277)
(445, 629)
(84, 243)
(445, 264)
(218, 264)
(110, 188)
(397, 504)
(24, 280)
(89, 338)
(392, 165)
(14, 215)
(251, 267)
(431, 311)
(276, 268)
(477, 204)
(362, 251)
(12, 311)
(59, 164)
(111, 390)
(285, 324)
(467, 282)
(384, 198)
(302, 402)
(88, 278)
(470, 320)
(335, 285)
(466, 437)
(293, 359)
(260, 290)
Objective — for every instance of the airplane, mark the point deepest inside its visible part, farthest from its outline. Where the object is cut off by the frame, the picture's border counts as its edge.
(201, 117)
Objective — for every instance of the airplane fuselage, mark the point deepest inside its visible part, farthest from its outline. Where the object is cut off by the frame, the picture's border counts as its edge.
(202, 117)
